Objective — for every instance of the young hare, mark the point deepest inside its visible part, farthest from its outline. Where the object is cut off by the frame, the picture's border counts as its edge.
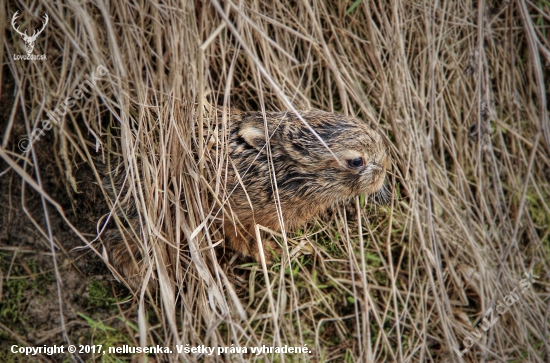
(300, 172)
(296, 171)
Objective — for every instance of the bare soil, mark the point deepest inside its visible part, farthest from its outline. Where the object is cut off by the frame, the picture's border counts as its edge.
(35, 302)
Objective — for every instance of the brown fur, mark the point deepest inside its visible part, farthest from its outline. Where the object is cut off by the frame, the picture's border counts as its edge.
(298, 173)
(307, 177)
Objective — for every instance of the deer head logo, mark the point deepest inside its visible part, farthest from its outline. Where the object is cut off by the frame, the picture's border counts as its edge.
(29, 40)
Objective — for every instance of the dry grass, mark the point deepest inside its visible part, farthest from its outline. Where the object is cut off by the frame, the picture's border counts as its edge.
(457, 87)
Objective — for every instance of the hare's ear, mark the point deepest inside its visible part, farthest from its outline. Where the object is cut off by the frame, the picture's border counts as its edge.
(253, 134)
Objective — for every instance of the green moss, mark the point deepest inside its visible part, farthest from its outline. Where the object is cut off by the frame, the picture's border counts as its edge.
(10, 308)
(104, 335)
(18, 287)
(99, 295)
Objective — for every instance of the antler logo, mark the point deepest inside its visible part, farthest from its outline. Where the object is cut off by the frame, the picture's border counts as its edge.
(29, 40)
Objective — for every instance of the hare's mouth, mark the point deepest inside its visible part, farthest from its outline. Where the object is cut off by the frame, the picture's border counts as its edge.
(377, 182)
(378, 189)
(376, 172)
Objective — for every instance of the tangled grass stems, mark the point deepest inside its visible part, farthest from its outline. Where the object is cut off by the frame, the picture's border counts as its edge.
(405, 282)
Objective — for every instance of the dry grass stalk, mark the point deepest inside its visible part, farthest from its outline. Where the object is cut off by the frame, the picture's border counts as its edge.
(406, 282)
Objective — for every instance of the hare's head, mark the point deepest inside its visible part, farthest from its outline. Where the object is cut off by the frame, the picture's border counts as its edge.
(332, 156)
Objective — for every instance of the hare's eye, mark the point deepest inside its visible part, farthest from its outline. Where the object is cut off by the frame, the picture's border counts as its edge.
(355, 163)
